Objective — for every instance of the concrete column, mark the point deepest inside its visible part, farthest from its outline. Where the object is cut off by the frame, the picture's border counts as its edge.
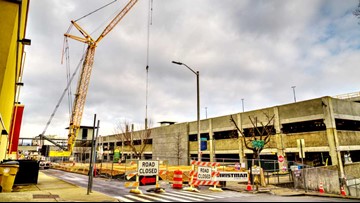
(132, 143)
(108, 149)
(279, 138)
(211, 137)
(242, 157)
(331, 133)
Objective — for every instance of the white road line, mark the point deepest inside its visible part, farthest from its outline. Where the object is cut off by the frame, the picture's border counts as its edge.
(206, 195)
(137, 198)
(123, 199)
(199, 195)
(167, 197)
(184, 196)
(155, 198)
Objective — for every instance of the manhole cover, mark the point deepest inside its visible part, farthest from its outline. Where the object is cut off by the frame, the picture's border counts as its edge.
(40, 196)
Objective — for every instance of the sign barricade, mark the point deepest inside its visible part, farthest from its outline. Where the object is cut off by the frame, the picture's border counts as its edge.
(149, 172)
(204, 175)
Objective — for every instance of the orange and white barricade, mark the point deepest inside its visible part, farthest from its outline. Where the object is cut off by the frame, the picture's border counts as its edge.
(194, 182)
(177, 180)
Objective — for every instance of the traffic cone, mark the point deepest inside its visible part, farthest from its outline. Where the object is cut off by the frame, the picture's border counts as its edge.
(343, 193)
(321, 188)
(249, 187)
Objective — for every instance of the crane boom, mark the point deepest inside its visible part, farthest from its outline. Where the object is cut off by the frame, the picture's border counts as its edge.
(83, 83)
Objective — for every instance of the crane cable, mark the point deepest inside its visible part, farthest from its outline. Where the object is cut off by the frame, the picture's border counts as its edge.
(95, 11)
(62, 96)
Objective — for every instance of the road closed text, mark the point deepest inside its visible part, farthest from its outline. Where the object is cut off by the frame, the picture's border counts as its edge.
(148, 168)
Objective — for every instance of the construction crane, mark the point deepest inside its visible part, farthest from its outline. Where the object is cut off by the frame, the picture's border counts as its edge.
(83, 83)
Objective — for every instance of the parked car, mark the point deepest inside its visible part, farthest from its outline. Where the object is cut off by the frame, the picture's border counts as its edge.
(44, 164)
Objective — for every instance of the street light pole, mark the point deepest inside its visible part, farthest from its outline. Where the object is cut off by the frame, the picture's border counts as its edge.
(198, 106)
(242, 102)
(294, 92)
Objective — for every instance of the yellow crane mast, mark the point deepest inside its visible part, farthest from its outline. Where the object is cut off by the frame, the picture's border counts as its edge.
(83, 83)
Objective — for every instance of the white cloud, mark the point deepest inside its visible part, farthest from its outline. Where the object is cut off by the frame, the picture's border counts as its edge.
(255, 50)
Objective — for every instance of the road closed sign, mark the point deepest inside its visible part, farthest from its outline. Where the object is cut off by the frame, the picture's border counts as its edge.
(148, 168)
(204, 173)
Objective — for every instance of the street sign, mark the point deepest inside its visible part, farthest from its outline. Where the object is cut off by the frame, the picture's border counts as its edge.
(301, 145)
(148, 168)
(204, 173)
(147, 180)
(280, 158)
(255, 170)
(233, 176)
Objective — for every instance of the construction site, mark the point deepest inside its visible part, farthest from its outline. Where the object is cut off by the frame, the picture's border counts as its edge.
(281, 145)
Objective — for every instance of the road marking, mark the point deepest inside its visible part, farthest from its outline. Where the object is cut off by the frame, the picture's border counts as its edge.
(182, 196)
(167, 197)
(195, 195)
(206, 195)
(137, 198)
(155, 198)
(123, 199)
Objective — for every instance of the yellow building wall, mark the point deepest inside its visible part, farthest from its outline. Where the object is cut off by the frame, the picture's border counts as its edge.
(11, 53)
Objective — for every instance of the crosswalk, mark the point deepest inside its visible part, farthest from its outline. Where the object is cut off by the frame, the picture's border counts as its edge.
(176, 196)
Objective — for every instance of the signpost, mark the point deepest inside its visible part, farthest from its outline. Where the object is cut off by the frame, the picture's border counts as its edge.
(301, 146)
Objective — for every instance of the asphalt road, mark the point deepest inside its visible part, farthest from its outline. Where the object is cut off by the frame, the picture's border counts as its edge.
(116, 189)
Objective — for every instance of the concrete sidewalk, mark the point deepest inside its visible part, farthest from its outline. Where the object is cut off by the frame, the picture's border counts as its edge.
(51, 189)
(281, 191)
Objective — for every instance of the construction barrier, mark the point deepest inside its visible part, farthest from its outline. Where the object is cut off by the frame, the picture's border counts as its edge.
(131, 184)
(204, 175)
(177, 180)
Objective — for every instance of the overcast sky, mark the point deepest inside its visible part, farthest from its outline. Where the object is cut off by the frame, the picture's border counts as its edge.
(244, 49)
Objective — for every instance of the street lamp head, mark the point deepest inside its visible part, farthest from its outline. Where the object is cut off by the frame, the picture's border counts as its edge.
(178, 63)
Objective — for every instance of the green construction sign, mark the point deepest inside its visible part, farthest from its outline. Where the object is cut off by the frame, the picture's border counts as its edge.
(116, 156)
(258, 144)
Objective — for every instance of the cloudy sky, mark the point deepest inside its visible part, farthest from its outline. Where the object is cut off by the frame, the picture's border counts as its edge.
(254, 50)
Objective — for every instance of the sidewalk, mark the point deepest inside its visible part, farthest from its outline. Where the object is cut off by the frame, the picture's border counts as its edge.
(51, 189)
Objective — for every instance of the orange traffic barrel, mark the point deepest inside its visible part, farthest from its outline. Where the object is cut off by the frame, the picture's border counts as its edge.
(177, 180)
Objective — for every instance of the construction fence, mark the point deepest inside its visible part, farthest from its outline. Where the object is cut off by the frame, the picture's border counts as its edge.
(293, 175)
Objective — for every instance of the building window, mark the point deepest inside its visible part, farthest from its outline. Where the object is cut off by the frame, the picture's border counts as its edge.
(84, 134)
(305, 126)
(193, 137)
(230, 134)
(342, 124)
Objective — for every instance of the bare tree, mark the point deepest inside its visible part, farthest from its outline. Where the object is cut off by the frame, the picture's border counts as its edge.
(256, 139)
(258, 136)
(83, 151)
(356, 12)
(137, 141)
(178, 147)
